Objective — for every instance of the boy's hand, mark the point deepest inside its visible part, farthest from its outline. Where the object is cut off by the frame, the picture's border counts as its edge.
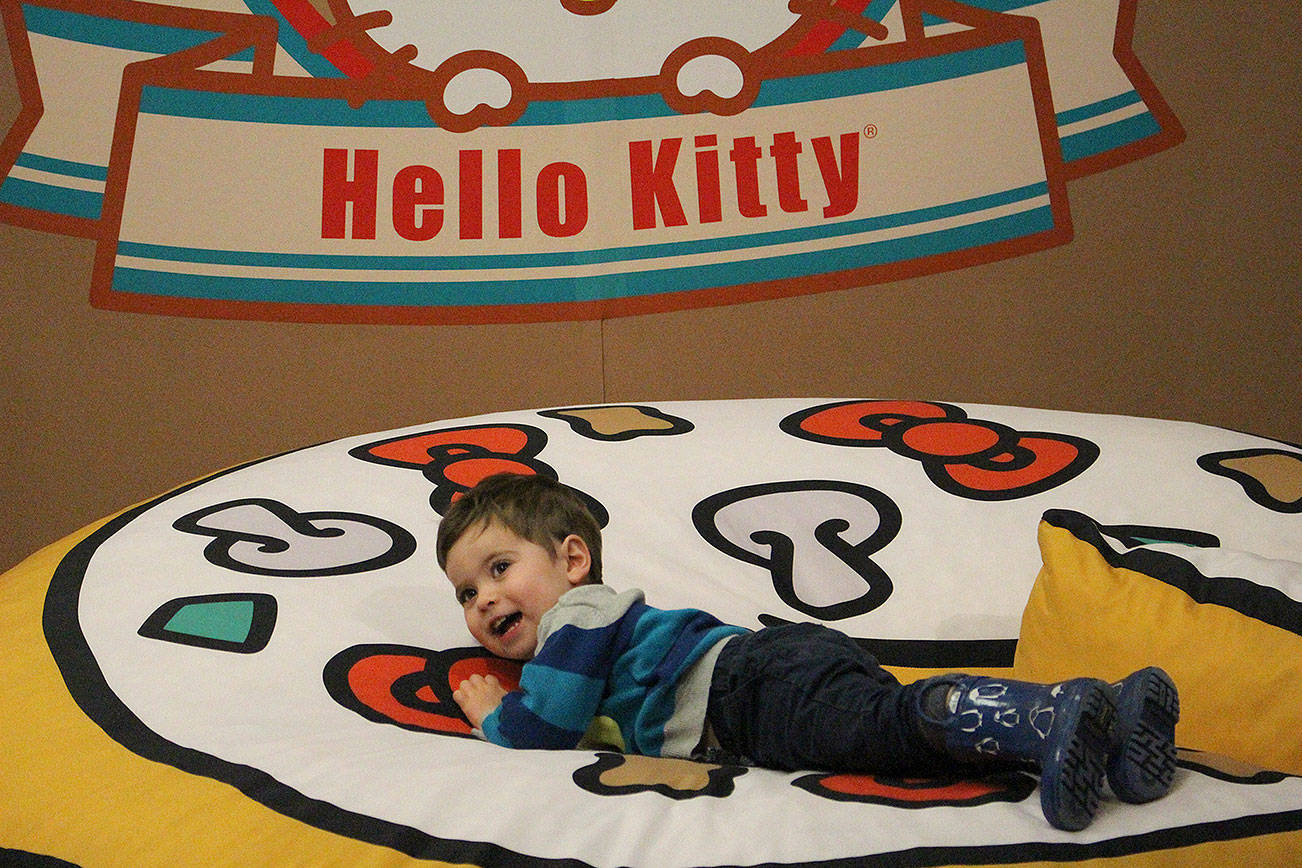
(478, 696)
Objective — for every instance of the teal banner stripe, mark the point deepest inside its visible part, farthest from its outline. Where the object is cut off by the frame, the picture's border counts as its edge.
(311, 111)
(293, 42)
(1087, 144)
(51, 199)
(1003, 5)
(876, 10)
(929, 20)
(599, 287)
(1095, 109)
(581, 257)
(891, 76)
(68, 168)
(259, 108)
(606, 108)
(113, 32)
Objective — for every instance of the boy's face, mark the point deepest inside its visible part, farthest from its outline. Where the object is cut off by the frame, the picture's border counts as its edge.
(505, 583)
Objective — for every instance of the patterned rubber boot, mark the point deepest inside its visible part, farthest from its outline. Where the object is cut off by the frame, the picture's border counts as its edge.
(1062, 731)
(1141, 763)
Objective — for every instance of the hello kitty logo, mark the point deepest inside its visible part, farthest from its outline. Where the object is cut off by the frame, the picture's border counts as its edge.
(473, 161)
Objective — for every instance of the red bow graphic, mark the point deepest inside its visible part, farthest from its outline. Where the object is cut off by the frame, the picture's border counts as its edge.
(967, 457)
(456, 459)
(411, 687)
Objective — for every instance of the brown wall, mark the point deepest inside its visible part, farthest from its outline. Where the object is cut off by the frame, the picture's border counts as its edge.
(1179, 297)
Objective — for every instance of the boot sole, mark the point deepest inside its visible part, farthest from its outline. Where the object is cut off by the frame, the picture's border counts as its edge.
(1071, 776)
(1141, 766)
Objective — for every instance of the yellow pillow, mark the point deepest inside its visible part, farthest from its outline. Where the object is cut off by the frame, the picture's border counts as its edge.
(1226, 625)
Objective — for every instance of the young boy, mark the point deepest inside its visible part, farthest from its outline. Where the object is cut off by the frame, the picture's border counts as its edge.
(524, 557)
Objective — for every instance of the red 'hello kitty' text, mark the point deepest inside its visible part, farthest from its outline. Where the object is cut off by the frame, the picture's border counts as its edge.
(746, 179)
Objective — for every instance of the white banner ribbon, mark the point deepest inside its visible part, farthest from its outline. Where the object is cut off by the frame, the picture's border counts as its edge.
(234, 189)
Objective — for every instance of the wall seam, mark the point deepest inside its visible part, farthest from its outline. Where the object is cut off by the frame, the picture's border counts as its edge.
(605, 398)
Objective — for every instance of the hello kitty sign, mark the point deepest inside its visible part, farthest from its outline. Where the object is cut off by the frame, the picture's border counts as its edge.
(401, 161)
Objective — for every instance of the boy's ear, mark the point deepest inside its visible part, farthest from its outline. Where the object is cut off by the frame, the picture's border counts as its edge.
(578, 560)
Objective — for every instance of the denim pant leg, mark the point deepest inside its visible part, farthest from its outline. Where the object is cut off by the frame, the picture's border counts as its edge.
(802, 696)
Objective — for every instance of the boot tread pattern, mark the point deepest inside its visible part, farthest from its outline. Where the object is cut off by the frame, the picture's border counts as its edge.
(1142, 766)
(1072, 779)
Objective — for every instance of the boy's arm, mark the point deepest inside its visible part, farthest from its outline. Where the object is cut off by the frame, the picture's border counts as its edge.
(554, 705)
(562, 687)
(479, 697)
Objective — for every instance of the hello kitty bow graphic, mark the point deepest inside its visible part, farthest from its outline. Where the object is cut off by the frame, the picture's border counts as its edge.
(456, 459)
(497, 160)
(970, 458)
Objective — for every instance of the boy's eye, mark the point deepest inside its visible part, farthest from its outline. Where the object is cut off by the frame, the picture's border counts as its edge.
(465, 595)
(499, 567)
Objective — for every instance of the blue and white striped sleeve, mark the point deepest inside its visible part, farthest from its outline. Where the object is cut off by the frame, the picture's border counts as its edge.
(562, 686)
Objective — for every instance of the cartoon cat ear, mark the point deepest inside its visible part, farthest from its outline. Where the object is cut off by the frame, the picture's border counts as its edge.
(710, 74)
(587, 7)
(476, 89)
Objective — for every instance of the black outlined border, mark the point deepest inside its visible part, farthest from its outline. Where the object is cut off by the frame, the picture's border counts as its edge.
(88, 688)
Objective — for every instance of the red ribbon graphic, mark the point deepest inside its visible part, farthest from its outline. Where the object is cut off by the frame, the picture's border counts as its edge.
(970, 458)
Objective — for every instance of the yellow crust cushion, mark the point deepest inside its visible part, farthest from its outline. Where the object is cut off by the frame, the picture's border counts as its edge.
(1227, 626)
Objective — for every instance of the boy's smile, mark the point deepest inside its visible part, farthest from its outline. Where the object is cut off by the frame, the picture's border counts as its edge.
(505, 584)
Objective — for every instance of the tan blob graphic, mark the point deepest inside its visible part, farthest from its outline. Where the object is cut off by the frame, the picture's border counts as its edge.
(615, 422)
(641, 771)
(616, 774)
(1279, 473)
(612, 421)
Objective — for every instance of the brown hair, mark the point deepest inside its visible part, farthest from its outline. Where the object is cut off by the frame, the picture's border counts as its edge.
(536, 508)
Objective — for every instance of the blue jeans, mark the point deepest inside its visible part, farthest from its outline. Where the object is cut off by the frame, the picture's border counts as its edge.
(803, 696)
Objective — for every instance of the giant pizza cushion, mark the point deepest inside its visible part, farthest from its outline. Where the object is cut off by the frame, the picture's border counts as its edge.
(257, 667)
(1226, 624)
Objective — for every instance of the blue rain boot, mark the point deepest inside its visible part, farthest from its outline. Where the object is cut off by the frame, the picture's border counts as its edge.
(1062, 731)
(1141, 763)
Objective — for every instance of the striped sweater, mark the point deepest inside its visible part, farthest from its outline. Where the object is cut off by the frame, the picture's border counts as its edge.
(608, 654)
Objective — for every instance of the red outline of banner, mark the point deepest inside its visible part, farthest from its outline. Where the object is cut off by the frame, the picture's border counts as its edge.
(1171, 130)
(243, 31)
(239, 32)
(988, 28)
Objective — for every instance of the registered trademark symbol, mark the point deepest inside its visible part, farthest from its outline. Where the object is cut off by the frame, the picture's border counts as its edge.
(870, 131)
